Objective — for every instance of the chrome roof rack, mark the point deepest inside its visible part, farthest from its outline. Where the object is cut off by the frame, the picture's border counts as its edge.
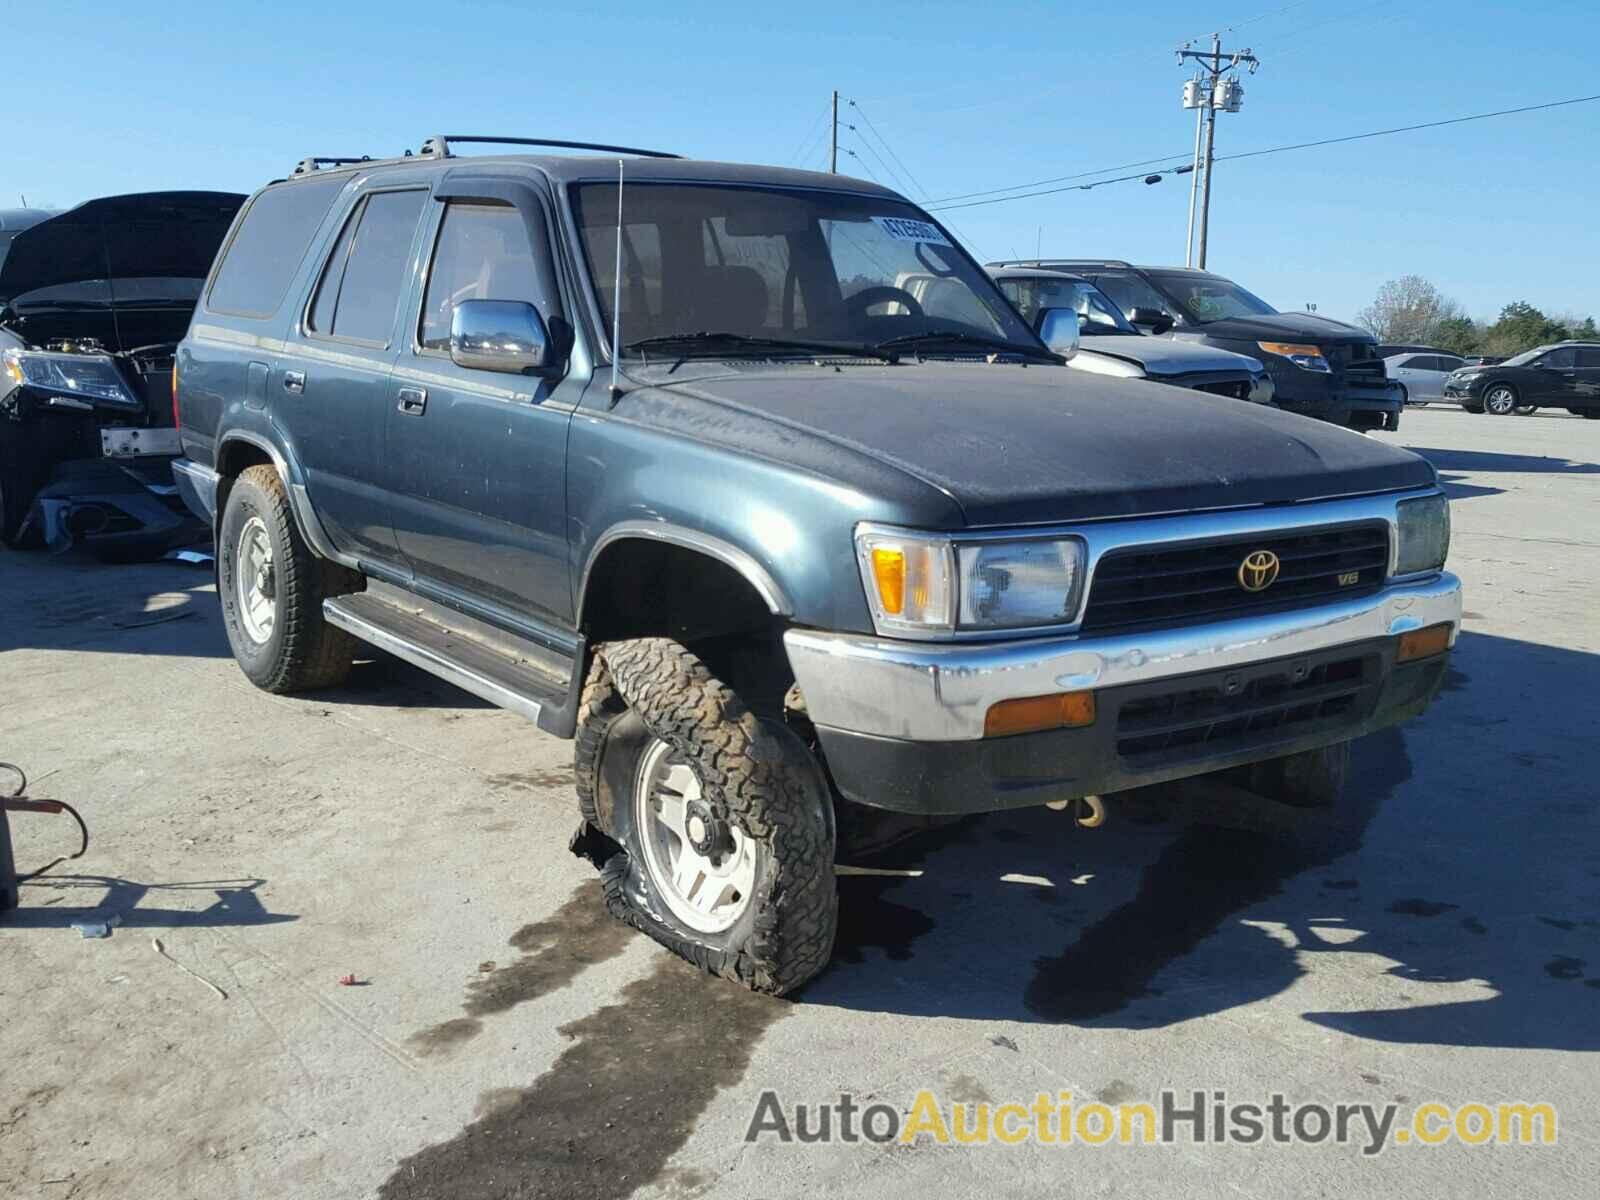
(438, 146)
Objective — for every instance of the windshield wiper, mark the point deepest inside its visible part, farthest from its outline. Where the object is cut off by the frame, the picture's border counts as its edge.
(723, 339)
(907, 341)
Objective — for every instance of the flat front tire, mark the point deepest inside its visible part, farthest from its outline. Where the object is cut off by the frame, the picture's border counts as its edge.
(717, 824)
(271, 587)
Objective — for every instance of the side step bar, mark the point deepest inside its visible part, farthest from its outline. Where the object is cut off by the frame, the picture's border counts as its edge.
(530, 684)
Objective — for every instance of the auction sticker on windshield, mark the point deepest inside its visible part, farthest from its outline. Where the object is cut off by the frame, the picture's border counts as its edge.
(906, 230)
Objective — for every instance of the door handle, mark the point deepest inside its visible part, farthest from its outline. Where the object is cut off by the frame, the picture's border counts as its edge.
(413, 400)
(294, 381)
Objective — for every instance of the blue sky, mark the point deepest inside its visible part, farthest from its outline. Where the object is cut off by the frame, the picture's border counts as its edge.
(115, 97)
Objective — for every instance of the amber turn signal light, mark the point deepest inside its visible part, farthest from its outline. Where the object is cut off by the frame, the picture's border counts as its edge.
(1424, 643)
(1030, 714)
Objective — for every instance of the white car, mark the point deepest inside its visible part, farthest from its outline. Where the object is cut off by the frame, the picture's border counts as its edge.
(1422, 373)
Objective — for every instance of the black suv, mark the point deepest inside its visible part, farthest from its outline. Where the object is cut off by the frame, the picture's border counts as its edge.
(1320, 367)
(1562, 375)
(750, 481)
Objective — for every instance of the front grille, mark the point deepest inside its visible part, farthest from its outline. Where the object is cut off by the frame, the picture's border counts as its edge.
(1229, 713)
(1191, 582)
(1359, 360)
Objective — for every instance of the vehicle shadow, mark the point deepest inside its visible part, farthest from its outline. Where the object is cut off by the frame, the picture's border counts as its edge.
(61, 901)
(72, 601)
(1466, 855)
(1492, 460)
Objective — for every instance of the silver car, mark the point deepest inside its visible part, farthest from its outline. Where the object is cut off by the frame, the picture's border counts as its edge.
(1422, 373)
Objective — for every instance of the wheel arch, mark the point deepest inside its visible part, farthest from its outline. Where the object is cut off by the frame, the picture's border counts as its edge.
(656, 579)
(241, 449)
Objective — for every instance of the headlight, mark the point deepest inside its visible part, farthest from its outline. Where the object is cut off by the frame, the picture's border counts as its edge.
(85, 378)
(1307, 358)
(1423, 527)
(922, 583)
(1010, 585)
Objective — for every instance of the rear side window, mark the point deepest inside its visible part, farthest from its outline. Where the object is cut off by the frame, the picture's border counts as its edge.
(1588, 356)
(268, 248)
(483, 253)
(365, 276)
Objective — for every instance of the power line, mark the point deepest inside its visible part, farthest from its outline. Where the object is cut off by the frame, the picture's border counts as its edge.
(908, 182)
(1252, 20)
(809, 143)
(884, 142)
(1144, 162)
(1354, 137)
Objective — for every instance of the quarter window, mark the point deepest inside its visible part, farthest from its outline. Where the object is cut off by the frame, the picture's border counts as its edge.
(269, 246)
(483, 253)
(365, 275)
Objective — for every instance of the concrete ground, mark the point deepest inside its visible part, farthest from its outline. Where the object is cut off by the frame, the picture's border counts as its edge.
(503, 1038)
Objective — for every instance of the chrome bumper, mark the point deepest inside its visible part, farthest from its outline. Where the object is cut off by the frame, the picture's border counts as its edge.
(942, 692)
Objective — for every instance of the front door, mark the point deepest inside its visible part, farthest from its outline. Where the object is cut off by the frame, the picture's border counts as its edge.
(333, 386)
(477, 459)
(1558, 378)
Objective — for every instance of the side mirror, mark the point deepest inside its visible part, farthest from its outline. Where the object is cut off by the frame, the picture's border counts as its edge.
(1154, 319)
(499, 335)
(1058, 329)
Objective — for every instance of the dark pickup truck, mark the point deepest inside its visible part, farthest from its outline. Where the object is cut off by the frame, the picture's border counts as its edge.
(657, 453)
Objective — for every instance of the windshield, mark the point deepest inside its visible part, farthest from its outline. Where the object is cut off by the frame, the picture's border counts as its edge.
(1526, 357)
(1205, 298)
(781, 265)
(1098, 316)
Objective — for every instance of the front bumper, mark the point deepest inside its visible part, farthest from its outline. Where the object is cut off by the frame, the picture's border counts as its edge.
(1358, 405)
(901, 723)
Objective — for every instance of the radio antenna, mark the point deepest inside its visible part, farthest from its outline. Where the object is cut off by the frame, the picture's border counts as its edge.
(616, 296)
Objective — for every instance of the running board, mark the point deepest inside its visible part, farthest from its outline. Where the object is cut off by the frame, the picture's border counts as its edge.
(530, 684)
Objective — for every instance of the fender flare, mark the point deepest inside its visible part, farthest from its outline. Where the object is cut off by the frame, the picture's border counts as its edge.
(757, 576)
(299, 500)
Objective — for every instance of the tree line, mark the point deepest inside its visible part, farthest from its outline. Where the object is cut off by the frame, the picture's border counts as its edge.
(1410, 311)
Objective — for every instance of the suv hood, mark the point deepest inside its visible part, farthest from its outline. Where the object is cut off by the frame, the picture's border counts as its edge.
(157, 246)
(1016, 445)
(1163, 356)
(1283, 327)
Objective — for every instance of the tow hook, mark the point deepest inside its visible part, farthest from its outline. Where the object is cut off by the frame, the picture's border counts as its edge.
(1089, 812)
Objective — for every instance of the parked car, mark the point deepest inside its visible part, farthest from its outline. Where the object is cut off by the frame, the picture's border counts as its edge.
(1561, 375)
(1319, 367)
(14, 220)
(1421, 376)
(1110, 345)
(655, 452)
(92, 304)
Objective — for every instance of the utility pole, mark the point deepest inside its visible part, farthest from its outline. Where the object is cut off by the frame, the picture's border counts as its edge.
(1212, 88)
(833, 152)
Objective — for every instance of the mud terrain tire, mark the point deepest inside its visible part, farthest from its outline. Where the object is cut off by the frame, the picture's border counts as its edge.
(753, 775)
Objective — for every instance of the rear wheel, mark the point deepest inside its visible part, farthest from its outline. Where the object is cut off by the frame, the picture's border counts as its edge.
(717, 835)
(272, 586)
(1500, 400)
